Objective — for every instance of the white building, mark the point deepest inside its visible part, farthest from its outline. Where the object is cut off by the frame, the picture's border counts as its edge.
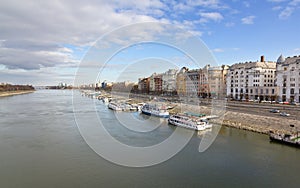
(217, 81)
(192, 83)
(288, 78)
(152, 83)
(169, 80)
(252, 80)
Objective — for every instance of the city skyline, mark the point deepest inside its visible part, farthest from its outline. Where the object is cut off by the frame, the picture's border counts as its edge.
(43, 43)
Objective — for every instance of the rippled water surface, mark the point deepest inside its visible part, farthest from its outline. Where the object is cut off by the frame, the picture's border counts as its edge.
(40, 146)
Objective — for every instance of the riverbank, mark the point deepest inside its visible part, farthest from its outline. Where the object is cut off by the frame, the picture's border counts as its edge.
(11, 93)
(255, 117)
(241, 120)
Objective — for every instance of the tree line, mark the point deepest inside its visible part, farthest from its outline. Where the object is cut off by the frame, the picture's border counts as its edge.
(9, 87)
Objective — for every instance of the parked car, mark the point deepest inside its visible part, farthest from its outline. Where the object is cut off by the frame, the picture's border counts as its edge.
(274, 111)
(284, 114)
(286, 102)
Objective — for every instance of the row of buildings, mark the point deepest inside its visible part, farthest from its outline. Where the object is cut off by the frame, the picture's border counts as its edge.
(205, 82)
(259, 80)
(265, 80)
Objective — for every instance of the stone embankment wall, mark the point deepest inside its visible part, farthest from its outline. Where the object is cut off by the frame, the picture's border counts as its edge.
(245, 121)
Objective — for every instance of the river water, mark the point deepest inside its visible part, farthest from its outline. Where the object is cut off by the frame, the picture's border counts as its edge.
(40, 146)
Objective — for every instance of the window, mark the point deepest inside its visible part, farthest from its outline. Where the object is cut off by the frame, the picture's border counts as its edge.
(261, 91)
(273, 91)
(267, 91)
(251, 91)
(292, 91)
(284, 91)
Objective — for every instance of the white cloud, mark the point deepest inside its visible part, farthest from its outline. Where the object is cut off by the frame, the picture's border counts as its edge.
(218, 50)
(248, 20)
(277, 1)
(229, 24)
(210, 16)
(287, 7)
(45, 26)
(287, 12)
(277, 8)
(246, 4)
(206, 3)
(297, 49)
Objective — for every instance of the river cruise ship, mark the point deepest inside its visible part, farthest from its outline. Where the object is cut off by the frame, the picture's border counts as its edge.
(190, 122)
(155, 110)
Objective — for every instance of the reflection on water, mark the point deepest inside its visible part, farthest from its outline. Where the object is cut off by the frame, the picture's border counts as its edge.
(41, 147)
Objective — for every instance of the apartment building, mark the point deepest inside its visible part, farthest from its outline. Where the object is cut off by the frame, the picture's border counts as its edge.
(252, 80)
(288, 78)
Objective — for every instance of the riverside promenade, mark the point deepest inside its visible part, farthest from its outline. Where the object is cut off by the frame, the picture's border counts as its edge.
(244, 117)
(249, 116)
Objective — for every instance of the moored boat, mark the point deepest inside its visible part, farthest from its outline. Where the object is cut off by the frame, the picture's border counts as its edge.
(293, 140)
(190, 122)
(114, 106)
(155, 110)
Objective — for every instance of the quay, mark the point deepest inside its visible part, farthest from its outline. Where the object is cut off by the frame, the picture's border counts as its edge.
(255, 117)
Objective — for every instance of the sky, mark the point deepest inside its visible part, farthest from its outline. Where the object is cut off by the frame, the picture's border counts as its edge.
(44, 42)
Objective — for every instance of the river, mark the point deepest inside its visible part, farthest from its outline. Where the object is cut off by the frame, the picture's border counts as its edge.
(41, 146)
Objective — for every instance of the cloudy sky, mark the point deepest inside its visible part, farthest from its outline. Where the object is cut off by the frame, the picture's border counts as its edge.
(43, 42)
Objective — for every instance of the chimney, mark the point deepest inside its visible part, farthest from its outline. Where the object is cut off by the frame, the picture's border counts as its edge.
(262, 58)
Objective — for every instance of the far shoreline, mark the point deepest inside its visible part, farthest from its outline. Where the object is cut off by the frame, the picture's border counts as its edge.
(12, 93)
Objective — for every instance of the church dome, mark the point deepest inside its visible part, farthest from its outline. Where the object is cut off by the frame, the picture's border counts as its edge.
(280, 59)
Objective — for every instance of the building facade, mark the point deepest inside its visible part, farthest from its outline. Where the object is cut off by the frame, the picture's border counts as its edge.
(158, 84)
(181, 81)
(143, 85)
(125, 86)
(252, 80)
(152, 83)
(169, 81)
(203, 87)
(192, 83)
(288, 78)
(217, 81)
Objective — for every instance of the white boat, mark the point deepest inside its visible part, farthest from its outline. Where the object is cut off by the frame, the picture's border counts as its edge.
(190, 122)
(105, 100)
(155, 110)
(114, 106)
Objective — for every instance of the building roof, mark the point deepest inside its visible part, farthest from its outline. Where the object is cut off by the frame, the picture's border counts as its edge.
(290, 60)
(280, 59)
(249, 65)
